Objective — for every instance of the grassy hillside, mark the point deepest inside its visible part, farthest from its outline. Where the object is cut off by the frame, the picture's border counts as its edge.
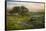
(33, 20)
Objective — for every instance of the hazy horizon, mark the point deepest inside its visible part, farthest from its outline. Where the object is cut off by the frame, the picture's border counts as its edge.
(34, 7)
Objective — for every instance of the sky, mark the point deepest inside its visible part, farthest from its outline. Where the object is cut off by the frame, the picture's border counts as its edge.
(34, 7)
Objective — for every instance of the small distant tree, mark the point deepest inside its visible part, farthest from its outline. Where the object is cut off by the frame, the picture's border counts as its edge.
(14, 10)
(24, 10)
(19, 9)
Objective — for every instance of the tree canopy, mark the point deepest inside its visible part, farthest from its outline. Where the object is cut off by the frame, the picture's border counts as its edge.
(19, 9)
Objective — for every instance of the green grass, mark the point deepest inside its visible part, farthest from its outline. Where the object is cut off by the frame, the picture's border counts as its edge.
(13, 21)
